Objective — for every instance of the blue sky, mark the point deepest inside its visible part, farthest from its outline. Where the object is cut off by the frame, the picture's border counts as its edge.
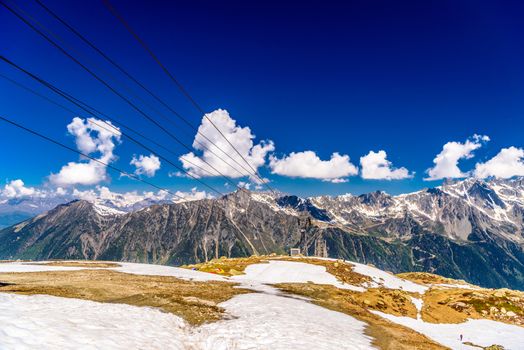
(403, 77)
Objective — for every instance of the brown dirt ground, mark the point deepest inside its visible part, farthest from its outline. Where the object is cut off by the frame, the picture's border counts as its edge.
(196, 302)
(386, 335)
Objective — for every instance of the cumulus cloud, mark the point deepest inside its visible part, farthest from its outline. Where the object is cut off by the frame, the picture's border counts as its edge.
(243, 184)
(96, 139)
(210, 148)
(17, 189)
(192, 195)
(146, 165)
(124, 199)
(507, 163)
(375, 166)
(101, 194)
(72, 173)
(446, 162)
(308, 165)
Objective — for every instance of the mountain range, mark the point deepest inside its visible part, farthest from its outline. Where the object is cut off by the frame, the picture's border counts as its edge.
(470, 229)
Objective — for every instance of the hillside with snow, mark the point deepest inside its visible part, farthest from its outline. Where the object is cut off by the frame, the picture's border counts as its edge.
(299, 303)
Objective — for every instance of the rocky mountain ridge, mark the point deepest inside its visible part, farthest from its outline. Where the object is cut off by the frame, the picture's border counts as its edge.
(469, 229)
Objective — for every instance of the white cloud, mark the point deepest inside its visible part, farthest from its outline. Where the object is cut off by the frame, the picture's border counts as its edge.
(128, 199)
(308, 165)
(375, 166)
(72, 173)
(17, 189)
(124, 199)
(192, 195)
(446, 162)
(243, 184)
(240, 137)
(507, 163)
(147, 165)
(96, 139)
(60, 191)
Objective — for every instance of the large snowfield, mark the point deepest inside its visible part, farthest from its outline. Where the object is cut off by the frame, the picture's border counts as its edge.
(255, 321)
(290, 272)
(265, 319)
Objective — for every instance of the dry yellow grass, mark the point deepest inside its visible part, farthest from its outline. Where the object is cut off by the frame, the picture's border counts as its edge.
(196, 302)
(227, 266)
(427, 278)
(444, 305)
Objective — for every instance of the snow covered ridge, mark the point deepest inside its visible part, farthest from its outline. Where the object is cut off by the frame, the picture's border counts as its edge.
(500, 201)
(106, 211)
(457, 207)
(268, 318)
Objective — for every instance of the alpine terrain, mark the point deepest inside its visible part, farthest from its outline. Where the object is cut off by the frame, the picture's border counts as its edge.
(470, 229)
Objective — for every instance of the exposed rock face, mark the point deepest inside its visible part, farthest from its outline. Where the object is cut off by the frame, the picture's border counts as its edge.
(471, 230)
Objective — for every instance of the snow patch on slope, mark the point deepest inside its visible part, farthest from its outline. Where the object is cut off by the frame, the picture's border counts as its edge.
(132, 268)
(478, 332)
(291, 272)
(387, 280)
(106, 211)
(45, 322)
(163, 270)
(263, 321)
(28, 267)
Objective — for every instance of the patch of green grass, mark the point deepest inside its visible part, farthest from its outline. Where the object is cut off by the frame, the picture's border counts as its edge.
(484, 304)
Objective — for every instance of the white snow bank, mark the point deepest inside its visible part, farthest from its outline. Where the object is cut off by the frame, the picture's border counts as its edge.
(478, 332)
(265, 321)
(418, 304)
(45, 322)
(259, 321)
(387, 280)
(162, 270)
(29, 267)
(132, 268)
(290, 272)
